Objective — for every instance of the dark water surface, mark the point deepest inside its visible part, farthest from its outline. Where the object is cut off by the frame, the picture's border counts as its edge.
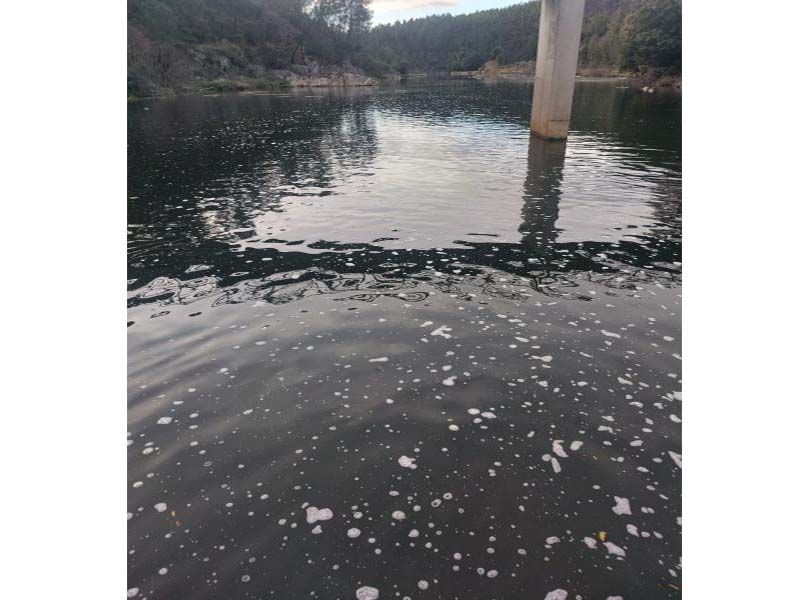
(326, 286)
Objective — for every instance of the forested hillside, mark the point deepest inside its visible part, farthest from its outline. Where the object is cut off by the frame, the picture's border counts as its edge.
(624, 35)
(181, 44)
(174, 42)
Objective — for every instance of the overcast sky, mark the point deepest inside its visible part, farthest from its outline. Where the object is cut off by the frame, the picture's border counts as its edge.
(389, 11)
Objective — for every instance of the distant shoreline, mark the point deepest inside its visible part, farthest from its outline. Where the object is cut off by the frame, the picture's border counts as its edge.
(350, 80)
(272, 81)
(524, 72)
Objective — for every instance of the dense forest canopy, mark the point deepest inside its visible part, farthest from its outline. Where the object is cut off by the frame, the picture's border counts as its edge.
(171, 42)
(627, 35)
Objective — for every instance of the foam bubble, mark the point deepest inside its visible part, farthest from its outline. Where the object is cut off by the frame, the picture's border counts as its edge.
(367, 593)
(623, 506)
(614, 549)
(407, 462)
(314, 514)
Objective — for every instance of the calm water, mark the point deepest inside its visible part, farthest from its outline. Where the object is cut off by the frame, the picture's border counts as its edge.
(395, 300)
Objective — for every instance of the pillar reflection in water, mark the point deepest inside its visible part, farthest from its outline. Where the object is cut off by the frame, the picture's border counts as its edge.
(541, 195)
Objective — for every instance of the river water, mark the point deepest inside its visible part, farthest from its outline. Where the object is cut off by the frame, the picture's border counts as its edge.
(394, 304)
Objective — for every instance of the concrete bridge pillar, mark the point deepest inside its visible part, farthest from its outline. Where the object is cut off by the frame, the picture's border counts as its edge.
(556, 62)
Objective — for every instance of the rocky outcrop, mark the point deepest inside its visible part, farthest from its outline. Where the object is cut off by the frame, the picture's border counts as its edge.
(324, 76)
(210, 70)
(491, 71)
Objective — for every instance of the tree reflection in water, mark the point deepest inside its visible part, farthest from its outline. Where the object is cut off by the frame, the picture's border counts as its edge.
(538, 263)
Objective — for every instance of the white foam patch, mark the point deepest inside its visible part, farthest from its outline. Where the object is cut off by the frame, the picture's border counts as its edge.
(161, 506)
(677, 458)
(367, 593)
(558, 594)
(353, 533)
(378, 360)
(407, 462)
(164, 421)
(314, 514)
(398, 515)
(576, 445)
(623, 506)
(614, 549)
(442, 331)
(591, 542)
(558, 449)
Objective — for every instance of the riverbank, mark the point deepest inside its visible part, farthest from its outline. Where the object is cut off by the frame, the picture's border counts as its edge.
(300, 76)
(524, 72)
